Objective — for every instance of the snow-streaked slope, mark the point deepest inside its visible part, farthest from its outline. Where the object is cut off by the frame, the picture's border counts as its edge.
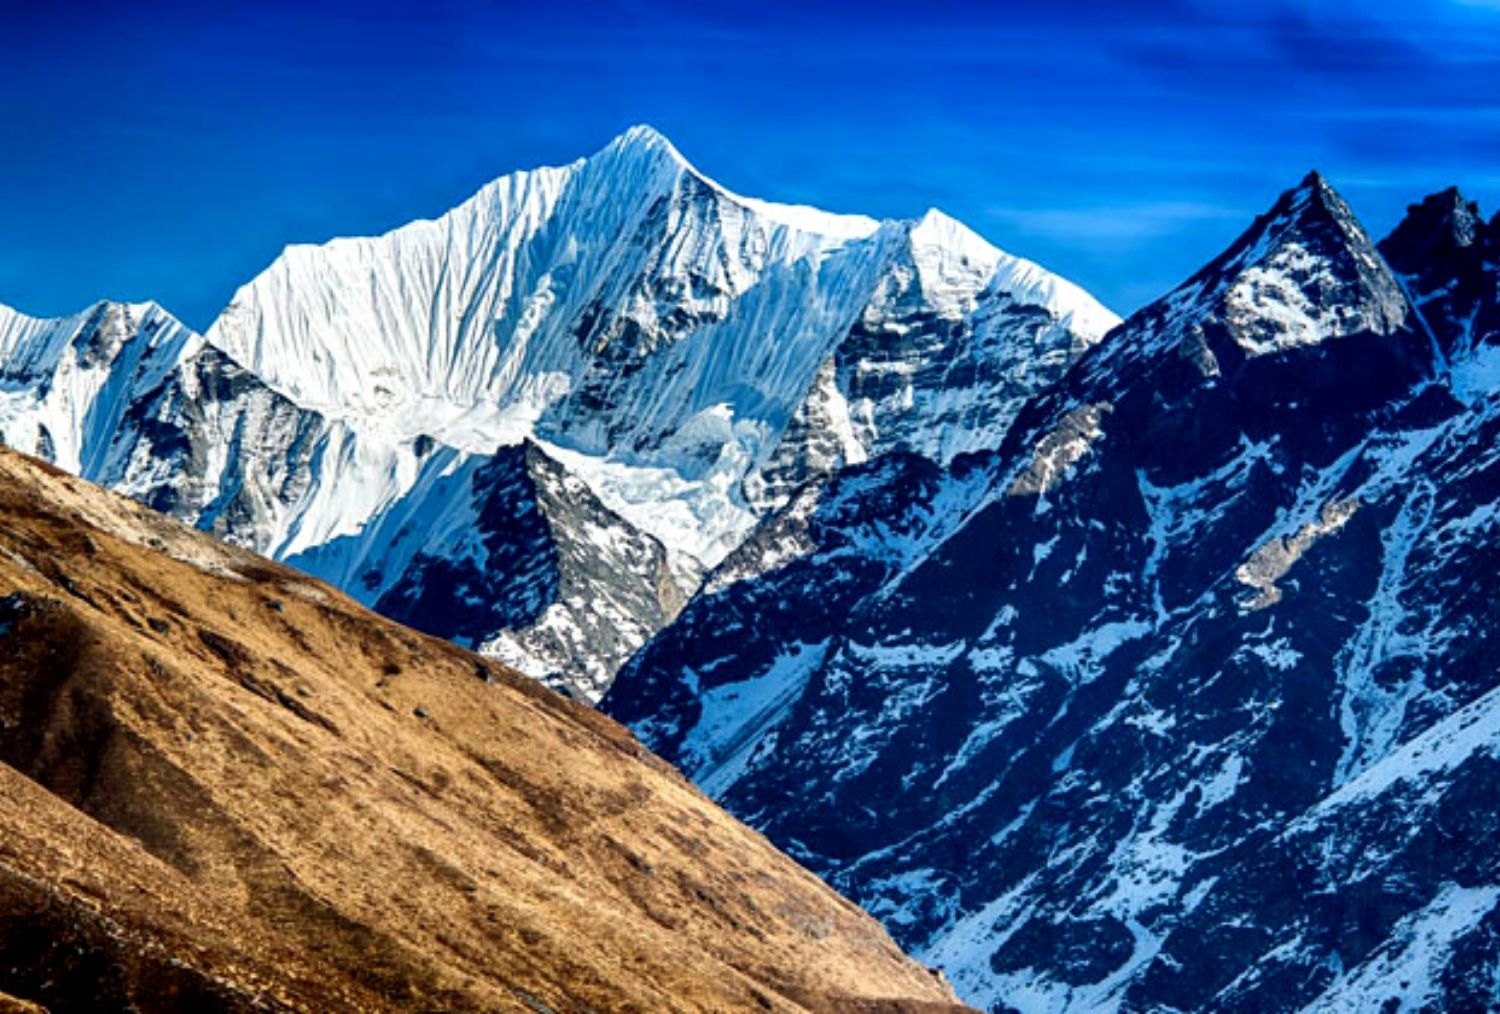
(507, 552)
(1181, 699)
(527, 297)
(66, 383)
(127, 396)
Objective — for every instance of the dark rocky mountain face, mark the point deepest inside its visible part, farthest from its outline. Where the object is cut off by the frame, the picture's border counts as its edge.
(1447, 255)
(509, 574)
(204, 434)
(829, 552)
(1183, 698)
(543, 574)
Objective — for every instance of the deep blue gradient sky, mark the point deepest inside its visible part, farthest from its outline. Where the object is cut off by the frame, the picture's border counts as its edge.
(169, 150)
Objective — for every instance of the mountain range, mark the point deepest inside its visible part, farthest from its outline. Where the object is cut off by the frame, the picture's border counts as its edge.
(1122, 665)
(675, 359)
(1182, 698)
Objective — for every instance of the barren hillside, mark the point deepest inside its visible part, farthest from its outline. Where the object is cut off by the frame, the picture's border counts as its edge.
(228, 787)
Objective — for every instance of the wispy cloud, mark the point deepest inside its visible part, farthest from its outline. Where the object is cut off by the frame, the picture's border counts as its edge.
(1113, 223)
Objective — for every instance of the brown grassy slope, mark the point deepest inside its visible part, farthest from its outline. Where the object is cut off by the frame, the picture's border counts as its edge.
(10, 1005)
(243, 791)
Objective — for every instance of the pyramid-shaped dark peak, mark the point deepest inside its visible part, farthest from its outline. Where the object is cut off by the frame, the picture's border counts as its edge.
(1442, 249)
(1312, 194)
(1455, 209)
(1308, 254)
(1304, 272)
(1314, 183)
(1311, 203)
(1308, 220)
(1450, 197)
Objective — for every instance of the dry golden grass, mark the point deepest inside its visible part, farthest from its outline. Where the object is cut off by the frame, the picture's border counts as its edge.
(10, 1005)
(228, 787)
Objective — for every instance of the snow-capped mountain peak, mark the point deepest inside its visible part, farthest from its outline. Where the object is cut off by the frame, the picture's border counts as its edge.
(627, 308)
(646, 143)
(36, 343)
(938, 230)
(472, 325)
(638, 163)
(689, 354)
(643, 137)
(943, 248)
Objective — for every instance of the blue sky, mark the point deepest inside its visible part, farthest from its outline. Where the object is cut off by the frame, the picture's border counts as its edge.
(169, 150)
